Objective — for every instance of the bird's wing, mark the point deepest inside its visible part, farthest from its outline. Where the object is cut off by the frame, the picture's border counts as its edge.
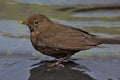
(65, 37)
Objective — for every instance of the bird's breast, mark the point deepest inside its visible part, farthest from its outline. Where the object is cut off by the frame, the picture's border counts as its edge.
(34, 37)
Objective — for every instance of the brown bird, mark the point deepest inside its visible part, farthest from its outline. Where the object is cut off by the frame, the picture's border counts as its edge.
(58, 40)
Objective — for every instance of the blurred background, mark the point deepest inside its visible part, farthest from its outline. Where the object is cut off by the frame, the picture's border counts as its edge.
(17, 55)
(100, 17)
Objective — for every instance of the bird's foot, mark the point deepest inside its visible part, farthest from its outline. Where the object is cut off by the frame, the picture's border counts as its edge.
(55, 64)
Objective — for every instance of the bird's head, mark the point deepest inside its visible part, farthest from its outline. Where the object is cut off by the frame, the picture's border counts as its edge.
(36, 22)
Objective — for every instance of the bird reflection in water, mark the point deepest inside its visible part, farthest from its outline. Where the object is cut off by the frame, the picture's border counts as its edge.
(71, 71)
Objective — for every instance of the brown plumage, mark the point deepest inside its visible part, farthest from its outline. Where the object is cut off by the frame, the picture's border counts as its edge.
(60, 41)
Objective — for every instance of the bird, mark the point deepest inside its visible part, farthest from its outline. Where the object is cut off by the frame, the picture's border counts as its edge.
(59, 40)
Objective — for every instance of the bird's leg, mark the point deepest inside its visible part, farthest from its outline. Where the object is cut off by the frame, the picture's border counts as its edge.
(59, 62)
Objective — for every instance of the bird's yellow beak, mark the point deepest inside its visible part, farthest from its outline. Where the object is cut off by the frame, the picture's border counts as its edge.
(22, 22)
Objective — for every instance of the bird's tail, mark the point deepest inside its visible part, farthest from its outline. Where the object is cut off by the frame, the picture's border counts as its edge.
(108, 41)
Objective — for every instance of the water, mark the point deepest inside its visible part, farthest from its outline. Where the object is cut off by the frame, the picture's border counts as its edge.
(32, 69)
(10, 31)
(12, 26)
(98, 14)
(88, 23)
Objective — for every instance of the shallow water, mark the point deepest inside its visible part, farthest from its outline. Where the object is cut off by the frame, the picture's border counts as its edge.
(20, 61)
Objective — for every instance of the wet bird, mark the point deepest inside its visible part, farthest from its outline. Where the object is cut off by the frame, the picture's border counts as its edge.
(58, 40)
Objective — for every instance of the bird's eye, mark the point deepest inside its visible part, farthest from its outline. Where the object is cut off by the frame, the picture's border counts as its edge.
(36, 22)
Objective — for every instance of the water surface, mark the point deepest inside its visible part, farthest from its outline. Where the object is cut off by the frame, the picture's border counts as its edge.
(109, 14)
